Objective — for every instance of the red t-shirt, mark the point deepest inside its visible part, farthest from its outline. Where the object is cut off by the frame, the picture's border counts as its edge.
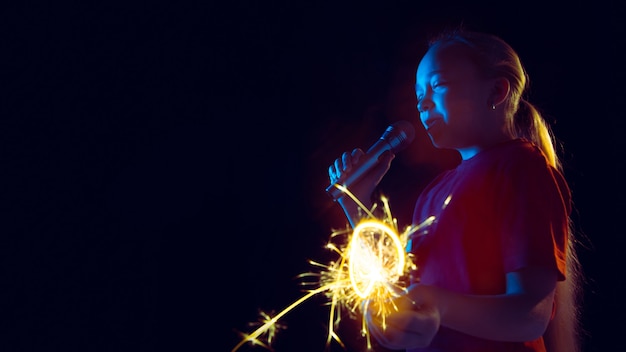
(500, 211)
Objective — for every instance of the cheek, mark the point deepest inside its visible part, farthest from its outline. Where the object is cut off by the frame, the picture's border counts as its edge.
(464, 107)
(458, 108)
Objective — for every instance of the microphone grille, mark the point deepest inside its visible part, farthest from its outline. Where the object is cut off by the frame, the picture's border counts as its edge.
(399, 135)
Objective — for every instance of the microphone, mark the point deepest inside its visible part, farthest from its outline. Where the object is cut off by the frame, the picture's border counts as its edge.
(395, 138)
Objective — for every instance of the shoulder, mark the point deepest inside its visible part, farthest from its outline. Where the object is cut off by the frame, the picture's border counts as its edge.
(513, 159)
(522, 165)
(519, 152)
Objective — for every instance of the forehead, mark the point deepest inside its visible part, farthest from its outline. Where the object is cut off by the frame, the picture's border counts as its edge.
(452, 58)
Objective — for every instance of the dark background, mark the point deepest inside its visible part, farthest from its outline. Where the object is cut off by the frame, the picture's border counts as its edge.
(165, 164)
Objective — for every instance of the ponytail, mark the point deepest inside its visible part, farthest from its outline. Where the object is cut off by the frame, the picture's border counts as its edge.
(528, 123)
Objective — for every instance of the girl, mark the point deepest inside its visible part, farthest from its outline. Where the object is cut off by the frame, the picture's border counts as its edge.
(496, 271)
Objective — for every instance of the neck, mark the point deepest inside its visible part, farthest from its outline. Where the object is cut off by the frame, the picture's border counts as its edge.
(470, 151)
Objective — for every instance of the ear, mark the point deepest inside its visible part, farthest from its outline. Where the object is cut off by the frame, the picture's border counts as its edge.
(500, 91)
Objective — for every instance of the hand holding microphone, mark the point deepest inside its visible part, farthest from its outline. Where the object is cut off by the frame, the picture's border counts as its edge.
(371, 165)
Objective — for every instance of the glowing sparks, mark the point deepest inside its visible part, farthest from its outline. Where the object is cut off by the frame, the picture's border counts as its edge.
(372, 263)
(376, 257)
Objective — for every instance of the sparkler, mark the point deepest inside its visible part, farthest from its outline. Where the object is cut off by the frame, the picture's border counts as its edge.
(373, 262)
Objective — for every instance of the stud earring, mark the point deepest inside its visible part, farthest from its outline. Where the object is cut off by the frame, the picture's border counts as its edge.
(493, 106)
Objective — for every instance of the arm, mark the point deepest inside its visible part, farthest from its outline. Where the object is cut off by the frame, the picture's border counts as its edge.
(522, 313)
(351, 209)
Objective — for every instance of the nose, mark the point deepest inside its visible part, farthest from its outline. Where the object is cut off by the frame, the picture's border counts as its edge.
(424, 105)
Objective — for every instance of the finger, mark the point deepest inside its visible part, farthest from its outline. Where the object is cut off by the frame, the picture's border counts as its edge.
(410, 329)
(374, 328)
(338, 168)
(421, 296)
(387, 337)
(332, 174)
(386, 157)
(405, 302)
(356, 155)
(346, 159)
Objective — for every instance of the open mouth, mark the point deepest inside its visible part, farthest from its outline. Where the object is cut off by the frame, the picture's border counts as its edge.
(431, 123)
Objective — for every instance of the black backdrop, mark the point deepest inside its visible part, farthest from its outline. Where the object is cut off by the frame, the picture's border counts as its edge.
(165, 164)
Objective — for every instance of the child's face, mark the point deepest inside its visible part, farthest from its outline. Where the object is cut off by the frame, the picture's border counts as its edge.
(453, 98)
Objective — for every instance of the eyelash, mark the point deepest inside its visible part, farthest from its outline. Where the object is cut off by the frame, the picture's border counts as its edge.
(435, 85)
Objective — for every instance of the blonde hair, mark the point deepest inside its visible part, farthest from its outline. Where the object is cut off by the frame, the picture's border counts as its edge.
(496, 58)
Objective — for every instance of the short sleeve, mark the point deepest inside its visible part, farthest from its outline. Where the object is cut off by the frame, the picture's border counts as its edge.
(535, 207)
